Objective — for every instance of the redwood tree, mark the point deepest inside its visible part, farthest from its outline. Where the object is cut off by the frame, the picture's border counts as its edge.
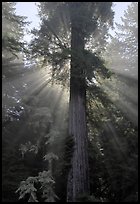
(74, 31)
(78, 181)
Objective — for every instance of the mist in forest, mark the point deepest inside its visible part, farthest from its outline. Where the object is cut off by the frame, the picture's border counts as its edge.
(40, 107)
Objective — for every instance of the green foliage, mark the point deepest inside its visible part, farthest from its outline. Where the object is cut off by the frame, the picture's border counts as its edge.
(28, 147)
(41, 119)
(27, 187)
(113, 149)
(50, 156)
(122, 57)
(122, 51)
(46, 182)
(52, 43)
(44, 178)
(12, 31)
(93, 64)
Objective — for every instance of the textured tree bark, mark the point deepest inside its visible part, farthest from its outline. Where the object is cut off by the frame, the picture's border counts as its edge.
(78, 178)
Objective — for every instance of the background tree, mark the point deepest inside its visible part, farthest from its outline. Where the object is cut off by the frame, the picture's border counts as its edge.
(122, 57)
(12, 32)
(112, 119)
(113, 150)
(127, 39)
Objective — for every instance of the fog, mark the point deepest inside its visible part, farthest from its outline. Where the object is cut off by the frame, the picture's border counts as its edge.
(35, 104)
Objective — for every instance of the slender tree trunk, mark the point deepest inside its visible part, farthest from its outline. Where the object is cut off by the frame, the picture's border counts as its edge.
(78, 178)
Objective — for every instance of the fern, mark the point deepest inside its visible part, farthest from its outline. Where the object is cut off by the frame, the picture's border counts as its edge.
(47, 183)
(27, 187)
(40, 118)
(28, 147)
(50, 156)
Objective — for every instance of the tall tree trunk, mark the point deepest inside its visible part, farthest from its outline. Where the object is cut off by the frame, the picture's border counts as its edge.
(78, 178)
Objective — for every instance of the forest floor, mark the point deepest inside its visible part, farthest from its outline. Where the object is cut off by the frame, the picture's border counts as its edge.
(22, 96)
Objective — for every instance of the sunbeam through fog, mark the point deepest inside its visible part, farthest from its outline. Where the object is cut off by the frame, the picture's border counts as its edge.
(70, 101)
